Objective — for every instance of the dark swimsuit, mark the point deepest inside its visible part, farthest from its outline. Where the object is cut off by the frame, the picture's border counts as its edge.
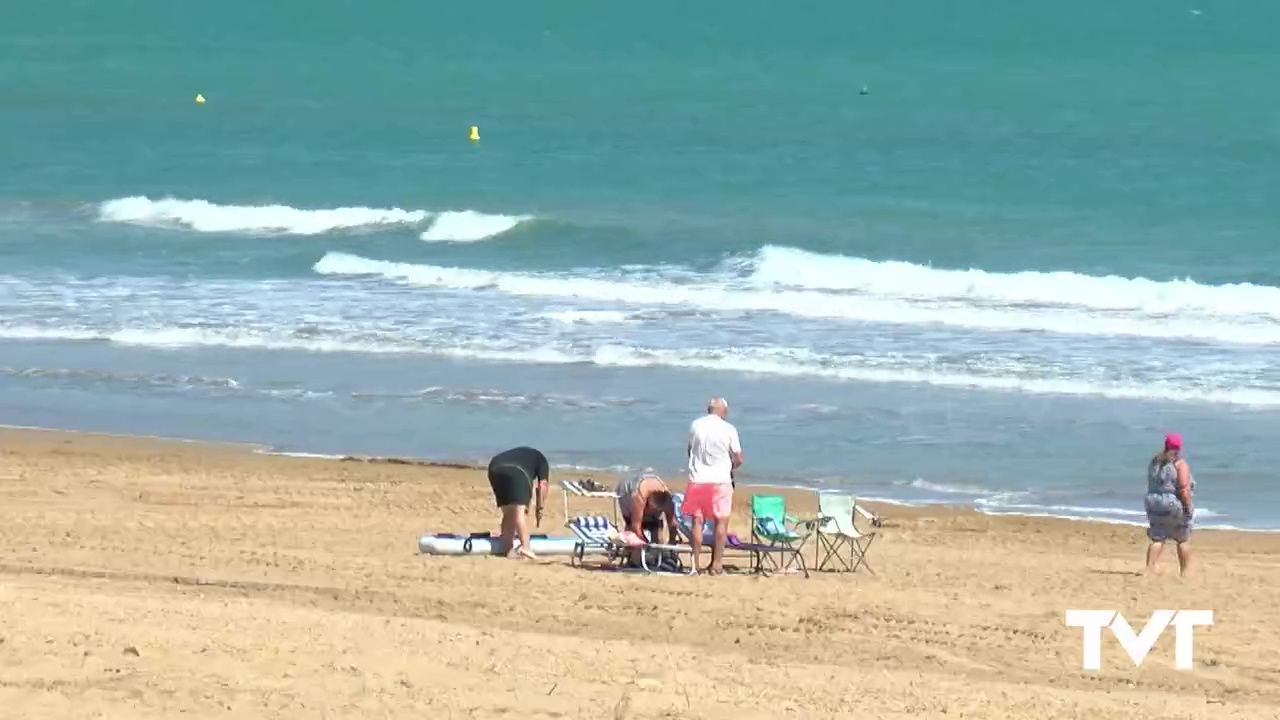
(513, 472)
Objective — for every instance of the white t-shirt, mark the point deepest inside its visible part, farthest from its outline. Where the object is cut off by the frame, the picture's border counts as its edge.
(712, 438)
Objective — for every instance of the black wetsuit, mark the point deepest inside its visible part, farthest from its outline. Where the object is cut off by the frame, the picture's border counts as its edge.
(513, 472)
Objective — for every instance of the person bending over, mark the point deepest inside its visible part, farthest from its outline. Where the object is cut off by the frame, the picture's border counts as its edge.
(644, 499)
(518, 476)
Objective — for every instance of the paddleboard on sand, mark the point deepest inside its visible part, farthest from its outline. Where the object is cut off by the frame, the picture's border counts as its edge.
(488, 544)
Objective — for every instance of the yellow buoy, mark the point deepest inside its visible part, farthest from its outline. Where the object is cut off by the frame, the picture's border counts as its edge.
(474, 135)
(199, 99)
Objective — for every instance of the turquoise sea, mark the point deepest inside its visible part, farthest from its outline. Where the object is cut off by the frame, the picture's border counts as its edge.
(931, 251)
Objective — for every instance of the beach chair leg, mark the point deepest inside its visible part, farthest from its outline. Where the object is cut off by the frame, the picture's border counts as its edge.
(765, 569)
(758, 558)
(766, 560)
(797, 558)
(831, 552)
(789, 556)
(830, 548)
(619, 555)
(822, 557)
(797, 555)
(780, 563)
(763, 553)
(861, 554)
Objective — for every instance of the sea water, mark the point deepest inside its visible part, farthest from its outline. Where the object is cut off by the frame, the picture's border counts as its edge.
(930, 252)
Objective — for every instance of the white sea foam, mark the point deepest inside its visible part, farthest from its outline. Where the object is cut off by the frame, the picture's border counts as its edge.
(1244, 314)
(164, 380)
(497, 397)
(920, 484)
(205, 216)
(1131, 522)
(470, 226)
(797, 363)
(793, 268)
(586, 316)
(997, 506)
(300, 455)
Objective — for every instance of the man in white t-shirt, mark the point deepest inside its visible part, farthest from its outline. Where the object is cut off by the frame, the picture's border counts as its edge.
(714, 452)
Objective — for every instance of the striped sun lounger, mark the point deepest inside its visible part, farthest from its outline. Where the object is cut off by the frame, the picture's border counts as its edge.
(597, 534)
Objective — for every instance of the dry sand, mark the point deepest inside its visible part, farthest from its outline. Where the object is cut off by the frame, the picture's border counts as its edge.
(150, 579)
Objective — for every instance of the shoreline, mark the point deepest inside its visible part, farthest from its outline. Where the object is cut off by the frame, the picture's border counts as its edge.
(267, 450)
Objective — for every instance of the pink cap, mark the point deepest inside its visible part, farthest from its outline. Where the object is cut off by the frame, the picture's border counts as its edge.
(1173, 441)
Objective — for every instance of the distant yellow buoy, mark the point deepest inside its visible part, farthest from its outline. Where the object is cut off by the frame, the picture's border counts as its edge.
(474, 135)
(199, 99)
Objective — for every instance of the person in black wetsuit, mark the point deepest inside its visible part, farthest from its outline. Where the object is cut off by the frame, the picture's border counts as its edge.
(518, 477)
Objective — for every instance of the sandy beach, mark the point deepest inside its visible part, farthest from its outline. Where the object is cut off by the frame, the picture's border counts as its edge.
(151, 579)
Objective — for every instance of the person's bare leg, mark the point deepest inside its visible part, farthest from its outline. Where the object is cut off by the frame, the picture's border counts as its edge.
(720, 535)
(1153, 556)
(1184, 558)
(508, 529)
(695, 542)
(522, 529)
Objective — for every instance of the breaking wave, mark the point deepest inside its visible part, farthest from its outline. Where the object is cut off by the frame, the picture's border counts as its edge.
(797, 283)
(207, 217)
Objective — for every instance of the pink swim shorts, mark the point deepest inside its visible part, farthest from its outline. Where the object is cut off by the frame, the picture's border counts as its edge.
(708, 500)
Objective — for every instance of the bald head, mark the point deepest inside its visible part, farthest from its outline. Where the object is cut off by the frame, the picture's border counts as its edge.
(718, 406)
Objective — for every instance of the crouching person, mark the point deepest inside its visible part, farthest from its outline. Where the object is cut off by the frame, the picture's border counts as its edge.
(645, 501)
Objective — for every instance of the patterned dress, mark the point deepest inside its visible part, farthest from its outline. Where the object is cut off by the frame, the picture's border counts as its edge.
(1165, 517)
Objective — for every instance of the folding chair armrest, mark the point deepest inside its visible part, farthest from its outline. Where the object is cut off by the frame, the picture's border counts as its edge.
(875, 519)
(809, 524)
(794, 521)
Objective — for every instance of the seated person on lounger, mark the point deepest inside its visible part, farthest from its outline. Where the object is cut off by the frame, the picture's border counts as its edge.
(644, 500)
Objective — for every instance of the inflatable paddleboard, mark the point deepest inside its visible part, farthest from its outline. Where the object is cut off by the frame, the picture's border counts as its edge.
(488, 544)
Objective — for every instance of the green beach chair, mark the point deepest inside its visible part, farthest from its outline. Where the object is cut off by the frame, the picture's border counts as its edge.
(839, 540)
(780, 533)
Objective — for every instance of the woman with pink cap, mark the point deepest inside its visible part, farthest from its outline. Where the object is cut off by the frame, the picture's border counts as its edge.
(1168, 503)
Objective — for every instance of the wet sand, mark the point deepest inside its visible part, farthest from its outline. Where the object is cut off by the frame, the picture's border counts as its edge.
(155, 579)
